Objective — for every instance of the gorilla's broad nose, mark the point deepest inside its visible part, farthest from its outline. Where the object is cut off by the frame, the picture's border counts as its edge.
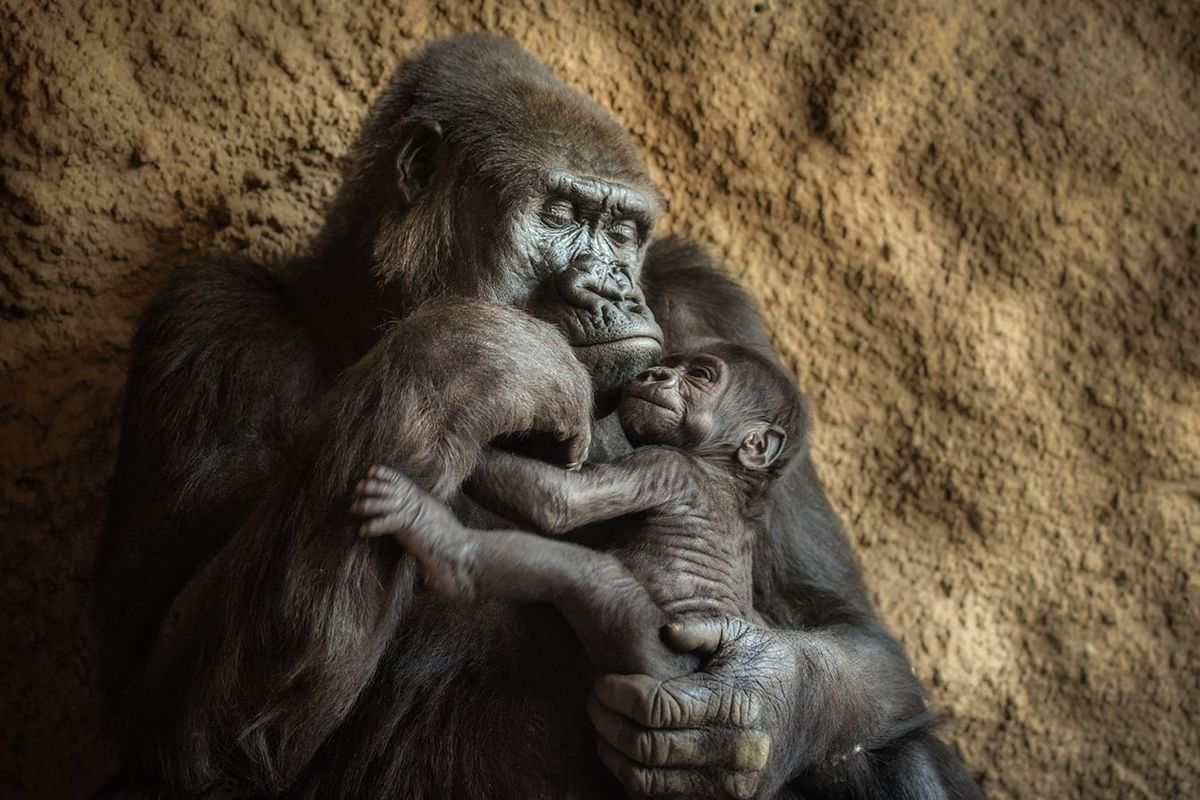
(594, 280)
(661, 375)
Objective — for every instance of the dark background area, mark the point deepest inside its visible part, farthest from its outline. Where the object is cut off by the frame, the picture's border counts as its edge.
(972, 229)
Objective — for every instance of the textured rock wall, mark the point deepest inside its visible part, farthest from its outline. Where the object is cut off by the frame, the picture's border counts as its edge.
(973, 230)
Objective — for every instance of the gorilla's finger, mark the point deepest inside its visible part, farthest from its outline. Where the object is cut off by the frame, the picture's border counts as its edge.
(385, 473)
(742, 751)
(701, 635)
(649, 746)
(370, 506)
(376, 487)
(689, 701)
(577, 451)
(741, 785)
(647, 782)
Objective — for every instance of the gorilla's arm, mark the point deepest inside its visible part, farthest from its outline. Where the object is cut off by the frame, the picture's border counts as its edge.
(244, 617)
(557, 501)
(830, 685)
(613, 614)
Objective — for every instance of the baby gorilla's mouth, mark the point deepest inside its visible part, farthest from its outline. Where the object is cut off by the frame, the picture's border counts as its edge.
(653, 399)
(647, 419)
(650, 402)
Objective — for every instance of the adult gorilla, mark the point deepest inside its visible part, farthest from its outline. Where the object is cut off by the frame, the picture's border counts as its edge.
(254, 645)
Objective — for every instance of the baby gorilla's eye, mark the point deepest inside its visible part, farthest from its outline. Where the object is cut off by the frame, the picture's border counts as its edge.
(558, 213)
(622, 232)
(702, 373)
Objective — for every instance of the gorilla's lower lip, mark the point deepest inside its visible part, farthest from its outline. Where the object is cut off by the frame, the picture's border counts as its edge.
(636, 341)
(614, 363)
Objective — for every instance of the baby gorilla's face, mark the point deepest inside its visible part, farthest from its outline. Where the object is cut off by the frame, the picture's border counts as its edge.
(675, 402)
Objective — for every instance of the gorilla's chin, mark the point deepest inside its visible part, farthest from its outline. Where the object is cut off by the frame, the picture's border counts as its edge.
(614, 364)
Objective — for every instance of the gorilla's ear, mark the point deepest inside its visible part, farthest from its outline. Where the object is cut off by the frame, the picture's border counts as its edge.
(761, 447)
(418, 158)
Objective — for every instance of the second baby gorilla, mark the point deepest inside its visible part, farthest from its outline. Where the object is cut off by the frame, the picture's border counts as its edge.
(718, 426)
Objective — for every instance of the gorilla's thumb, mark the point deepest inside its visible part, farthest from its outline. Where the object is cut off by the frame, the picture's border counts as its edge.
(694, 636)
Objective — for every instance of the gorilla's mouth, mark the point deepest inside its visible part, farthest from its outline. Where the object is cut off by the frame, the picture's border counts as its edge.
(614, 362)
(636, 340)
(655, 404)
(624, 357)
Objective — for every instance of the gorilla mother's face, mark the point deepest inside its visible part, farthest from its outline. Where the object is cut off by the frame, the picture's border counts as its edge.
(512, 187)
(580, 242)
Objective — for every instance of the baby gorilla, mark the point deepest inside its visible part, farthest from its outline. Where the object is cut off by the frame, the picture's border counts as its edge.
(712, 431)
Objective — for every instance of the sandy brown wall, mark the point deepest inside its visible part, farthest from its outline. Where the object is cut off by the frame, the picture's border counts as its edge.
(973, 231)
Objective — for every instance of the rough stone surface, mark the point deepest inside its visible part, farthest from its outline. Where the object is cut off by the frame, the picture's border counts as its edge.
(973, 231)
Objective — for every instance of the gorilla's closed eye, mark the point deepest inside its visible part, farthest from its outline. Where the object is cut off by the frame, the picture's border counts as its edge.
(558, 212)
(623, 232)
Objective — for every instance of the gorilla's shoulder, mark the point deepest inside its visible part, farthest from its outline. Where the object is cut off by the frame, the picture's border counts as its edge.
(222, 313)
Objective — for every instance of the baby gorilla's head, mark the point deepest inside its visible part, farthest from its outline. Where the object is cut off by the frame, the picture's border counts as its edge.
(725, 400)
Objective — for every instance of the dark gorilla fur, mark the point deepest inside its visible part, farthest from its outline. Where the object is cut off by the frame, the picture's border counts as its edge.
(254, 646)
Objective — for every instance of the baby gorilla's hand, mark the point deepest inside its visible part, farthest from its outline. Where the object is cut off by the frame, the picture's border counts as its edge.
(392, 505)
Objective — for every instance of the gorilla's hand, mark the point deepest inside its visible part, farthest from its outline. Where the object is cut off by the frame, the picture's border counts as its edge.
(458, 373)
(709, 734)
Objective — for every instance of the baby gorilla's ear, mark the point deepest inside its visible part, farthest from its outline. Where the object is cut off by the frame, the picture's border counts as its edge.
(762, 446)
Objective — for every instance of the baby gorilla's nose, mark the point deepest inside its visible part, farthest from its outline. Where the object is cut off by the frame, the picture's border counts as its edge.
(663, 375)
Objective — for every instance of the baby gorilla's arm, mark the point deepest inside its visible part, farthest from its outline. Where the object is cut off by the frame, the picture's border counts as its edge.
(613, 615)
(556, 501)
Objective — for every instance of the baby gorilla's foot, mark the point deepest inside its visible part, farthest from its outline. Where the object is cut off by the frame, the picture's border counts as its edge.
(392, 505)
